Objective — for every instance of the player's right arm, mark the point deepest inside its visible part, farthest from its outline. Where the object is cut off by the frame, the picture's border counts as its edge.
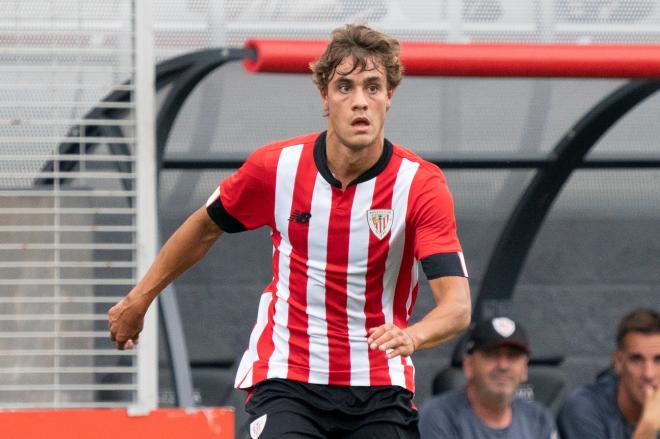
(243, 201)
(185, 247)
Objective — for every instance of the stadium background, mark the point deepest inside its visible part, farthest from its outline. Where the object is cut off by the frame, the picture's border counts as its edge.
(596, 255)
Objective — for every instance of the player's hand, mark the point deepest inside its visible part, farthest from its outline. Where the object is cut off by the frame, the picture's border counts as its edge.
(651, 413)
(125, 321)
(392, 340)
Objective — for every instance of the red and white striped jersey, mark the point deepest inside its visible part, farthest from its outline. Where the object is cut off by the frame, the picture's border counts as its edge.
(344, 261)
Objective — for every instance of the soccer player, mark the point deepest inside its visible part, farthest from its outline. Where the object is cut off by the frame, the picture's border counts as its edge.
(495, 364)
(352, 216)
(625, 404)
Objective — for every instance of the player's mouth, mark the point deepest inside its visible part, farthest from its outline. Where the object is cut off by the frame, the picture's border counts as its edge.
(360, 123)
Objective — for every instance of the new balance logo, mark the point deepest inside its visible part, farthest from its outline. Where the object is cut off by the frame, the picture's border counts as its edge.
(300, 217)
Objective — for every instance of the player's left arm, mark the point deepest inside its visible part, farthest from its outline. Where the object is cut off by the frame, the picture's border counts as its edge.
(450, 316)
(438, 249)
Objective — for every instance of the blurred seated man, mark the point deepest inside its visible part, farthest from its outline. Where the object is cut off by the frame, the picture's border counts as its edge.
(495, 364)
(626, 404)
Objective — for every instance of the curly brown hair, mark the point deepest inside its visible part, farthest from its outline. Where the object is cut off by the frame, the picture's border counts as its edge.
(363, 44)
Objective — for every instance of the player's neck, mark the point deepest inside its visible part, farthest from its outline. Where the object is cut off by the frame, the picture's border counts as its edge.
(347, 163)
(628, 407)
(494, 412)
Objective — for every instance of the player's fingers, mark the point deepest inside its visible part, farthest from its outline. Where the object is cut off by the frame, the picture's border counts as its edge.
(396, 341)
(376, 333)
(403, 350)
(129, 343)
(384, 327)
(380, 330)
(393, 338)
(398, 352)
(112, 318)
(377, 342)
(394, 353)
(121, 340)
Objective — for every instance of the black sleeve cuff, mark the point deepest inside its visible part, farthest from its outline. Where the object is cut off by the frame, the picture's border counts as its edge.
(223, 219)
(444, 264)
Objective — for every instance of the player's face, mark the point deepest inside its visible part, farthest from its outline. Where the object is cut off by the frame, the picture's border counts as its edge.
(496, 371)
(356, 103)
(638, 364)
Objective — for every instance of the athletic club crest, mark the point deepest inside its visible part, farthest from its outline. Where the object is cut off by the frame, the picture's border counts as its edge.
(504, 326)
(380, 221)
(257, 426)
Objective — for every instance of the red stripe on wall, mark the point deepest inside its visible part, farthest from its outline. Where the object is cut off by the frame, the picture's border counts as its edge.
(335, 286)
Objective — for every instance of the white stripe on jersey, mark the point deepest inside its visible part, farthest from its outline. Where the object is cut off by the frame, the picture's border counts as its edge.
(400, 207)
(244, 373)
(460, 256)
(356, 282)
(214, 196)
(287, 167)
(317, 251)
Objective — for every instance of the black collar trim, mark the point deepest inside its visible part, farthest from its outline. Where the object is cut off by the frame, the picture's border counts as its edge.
(321, 160)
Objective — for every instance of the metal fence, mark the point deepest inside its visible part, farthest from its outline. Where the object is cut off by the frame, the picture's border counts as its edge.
(72, 234)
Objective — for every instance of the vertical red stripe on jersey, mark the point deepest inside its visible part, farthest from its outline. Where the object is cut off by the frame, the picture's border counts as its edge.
(403, 283)
(265, 344)
(336, 298)
(414, 299)
(298, 237)
(378, 250)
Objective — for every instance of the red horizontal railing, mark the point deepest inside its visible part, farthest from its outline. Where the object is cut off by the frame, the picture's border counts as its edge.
(487, 60)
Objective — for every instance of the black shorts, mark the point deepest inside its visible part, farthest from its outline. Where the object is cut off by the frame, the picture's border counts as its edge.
(287, 409)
